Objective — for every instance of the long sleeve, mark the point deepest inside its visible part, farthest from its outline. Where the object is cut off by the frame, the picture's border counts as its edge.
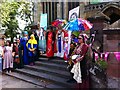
(84, 49)
(83, 52)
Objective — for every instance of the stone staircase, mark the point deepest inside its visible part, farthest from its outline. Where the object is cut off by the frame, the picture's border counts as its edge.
(45, 73)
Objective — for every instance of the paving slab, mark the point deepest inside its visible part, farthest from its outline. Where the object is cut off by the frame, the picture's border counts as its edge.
(11, 82)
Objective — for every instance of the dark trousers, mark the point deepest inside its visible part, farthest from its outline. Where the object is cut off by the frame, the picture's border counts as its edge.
(71, 74)
(31, 58)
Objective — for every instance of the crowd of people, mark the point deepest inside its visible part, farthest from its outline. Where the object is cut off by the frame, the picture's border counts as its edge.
(26, 50)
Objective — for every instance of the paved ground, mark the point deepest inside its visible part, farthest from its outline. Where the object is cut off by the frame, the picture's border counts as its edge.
(11, 82)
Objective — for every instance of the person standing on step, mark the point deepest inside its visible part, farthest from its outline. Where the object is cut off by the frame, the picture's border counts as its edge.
(32, 46)
(8, 58)
(21, 64)
(73, 44)
(42, 41)
(34, 32)
(65, 43)
(60, 39)
(50, 39)
(16, 60)
(23, 42)
(79, 69)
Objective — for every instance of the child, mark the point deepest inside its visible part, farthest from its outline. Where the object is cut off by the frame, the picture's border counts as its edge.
(8, 59)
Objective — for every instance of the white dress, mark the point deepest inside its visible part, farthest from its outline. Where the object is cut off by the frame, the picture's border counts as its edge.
(8, 59)
(60, 45)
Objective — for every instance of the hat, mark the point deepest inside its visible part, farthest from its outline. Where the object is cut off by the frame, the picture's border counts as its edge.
(25, 32)
(76, 33)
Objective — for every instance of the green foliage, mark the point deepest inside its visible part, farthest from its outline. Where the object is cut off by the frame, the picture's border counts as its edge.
(25, 12)
(8, 13)
(102, 63)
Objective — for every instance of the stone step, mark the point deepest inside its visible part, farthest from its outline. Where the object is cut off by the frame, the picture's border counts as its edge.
(56, 72)
(51, 78)
(54, 60)
(34, 80)
(51, 65)
(54, 57)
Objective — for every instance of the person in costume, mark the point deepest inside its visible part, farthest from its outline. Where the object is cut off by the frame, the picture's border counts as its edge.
(23, 42)
(65, 45)
(60, 39)
(42, 41)
(34, 32)
(50, 39)
(32, 46)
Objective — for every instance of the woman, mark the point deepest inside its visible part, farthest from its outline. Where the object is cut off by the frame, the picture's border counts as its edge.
(8, 58)
(50, 39)
(82, 74)
(42, 41)
(23, 42)
(21, 64)
(32, 46)
(16, 60)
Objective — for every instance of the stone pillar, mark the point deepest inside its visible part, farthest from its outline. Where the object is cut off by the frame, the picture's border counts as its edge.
(66, 15)
(35, 13)
(51, 18)
(58, 10)
(82, 9)
(40, 9)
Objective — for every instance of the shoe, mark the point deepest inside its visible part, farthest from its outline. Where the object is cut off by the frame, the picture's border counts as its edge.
(10, 71)
(66, 61)
(7, 72)
(71, 81)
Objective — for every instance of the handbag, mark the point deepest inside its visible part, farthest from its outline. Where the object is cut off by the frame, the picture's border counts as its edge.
(74, 57)
(17, 59)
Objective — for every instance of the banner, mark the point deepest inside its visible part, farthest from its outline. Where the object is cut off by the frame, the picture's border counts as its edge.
(117, 55)
(74, 13)
(43, 21)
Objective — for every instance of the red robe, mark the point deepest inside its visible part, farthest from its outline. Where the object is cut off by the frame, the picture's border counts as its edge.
(50, 44)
